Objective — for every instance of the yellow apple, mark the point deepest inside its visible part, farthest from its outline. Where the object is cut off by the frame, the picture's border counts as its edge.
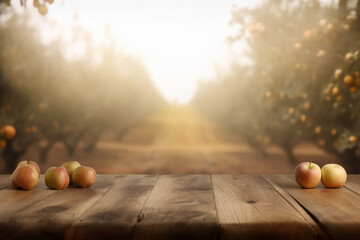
(84, 176)
(70, 167)
(57, 178)
(333, 175)
(25, 177)
(308, 174)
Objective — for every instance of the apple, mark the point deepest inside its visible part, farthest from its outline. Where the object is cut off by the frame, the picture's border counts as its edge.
(333, 175)
(57, 178)
(84, 176)
(25, 177)
(70, 167)
(308, 174)
(34, 164)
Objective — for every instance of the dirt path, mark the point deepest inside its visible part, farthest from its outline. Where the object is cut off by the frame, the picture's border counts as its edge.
(179, 140)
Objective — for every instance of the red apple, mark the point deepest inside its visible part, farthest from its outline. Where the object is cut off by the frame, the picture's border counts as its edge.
(57, 178)
(25, 177)
(70, 167)
(84, 176)
(32, 163)
(308, 174)
(333, 175)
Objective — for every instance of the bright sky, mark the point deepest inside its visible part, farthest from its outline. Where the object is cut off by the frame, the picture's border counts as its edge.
(180, 42)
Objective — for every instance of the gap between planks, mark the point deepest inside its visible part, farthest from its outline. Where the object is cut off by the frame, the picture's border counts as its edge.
(140, 216)
(305, 213)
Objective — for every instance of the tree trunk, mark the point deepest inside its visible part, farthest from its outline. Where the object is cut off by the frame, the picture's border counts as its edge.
(70, 148)
(357, 21)
(11, 157)
(44, 152)
(290, 154)
(350, 161)
(342, 9)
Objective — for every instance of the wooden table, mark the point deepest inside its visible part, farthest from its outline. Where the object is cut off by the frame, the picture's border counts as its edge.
(182, 207)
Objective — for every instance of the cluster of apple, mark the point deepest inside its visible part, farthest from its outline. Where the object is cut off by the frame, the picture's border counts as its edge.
(27, 173)
(309, 174)
(70, 173)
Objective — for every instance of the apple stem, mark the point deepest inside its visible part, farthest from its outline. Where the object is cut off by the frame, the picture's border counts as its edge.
(28, 161)
(309, 164)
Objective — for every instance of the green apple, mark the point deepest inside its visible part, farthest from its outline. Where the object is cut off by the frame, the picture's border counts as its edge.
(25, 177)
(333, 175)
(57, 178)
(70, 167)
(84, 176)
(308, 174)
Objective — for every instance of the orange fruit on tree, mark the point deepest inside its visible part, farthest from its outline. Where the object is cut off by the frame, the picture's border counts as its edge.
(337, 73)
(352, 139)
(268, 94)
(297, 45)
(317, 129)
(303, 118)
(42, 9)
(2, 143)
(349, 56)
(348, 80)
(353, 89)
(321, 142)
(333, 131)
(8, 132)
(309, 34)
(307, 105)
(335, 90)
(320, 53)
(36, 3)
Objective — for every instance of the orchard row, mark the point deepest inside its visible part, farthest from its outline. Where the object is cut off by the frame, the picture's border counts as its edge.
(50, 98)
(303, 85)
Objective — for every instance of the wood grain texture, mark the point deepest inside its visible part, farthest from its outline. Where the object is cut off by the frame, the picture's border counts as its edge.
(353, 183)
(115, 214)
(248, 207)
(337, 211)
(321, 234)
(46, 214)
(179, 207)
(14, 200)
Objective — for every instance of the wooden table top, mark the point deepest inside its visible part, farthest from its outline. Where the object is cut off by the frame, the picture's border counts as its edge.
(182, 207)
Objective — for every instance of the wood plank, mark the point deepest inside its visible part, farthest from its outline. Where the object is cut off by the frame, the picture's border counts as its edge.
(115, 214)
(48, 218)
(248, 207)
(353, 183)
(4, 180)
(337, 211)
(322, 235)
(179, 207)
(13, 200)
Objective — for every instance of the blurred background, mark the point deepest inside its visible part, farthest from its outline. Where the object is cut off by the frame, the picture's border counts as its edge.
(180, 86)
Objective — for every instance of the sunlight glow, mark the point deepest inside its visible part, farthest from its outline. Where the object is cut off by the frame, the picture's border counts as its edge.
(180, 42)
